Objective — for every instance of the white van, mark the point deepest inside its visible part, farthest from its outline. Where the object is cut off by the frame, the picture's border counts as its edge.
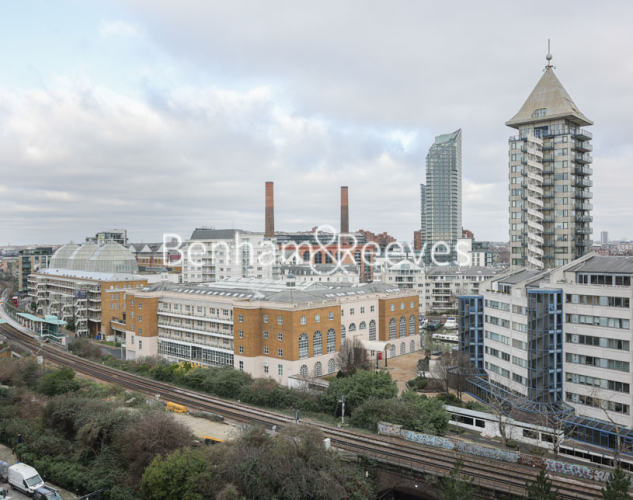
(24, 478)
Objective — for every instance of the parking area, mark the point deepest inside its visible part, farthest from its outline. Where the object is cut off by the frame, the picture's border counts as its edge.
(7, 456)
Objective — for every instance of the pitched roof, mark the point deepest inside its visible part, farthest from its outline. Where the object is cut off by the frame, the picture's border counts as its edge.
(549, 94)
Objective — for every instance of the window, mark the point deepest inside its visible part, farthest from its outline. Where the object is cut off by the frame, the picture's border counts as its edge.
(362, 310)
(132, 303)
(132, 326)
(280, 370)
(280, 336)
(331, 366)
(265, 334)
(352, 327)
(280, 353)
(241, 334)
(132, 339)
(372, 330)
(304, 345)
(317, 318)
(241, 366)
(413, 346)
(331, 340)
(351, 311)
(412, 325)
(140, 306)
(265, 318)
(140, 318)
(132, 314)
(401, 305)
(371, 309)
(317, 343)
(393, 307)
(540, 112)
(303, 371)
(265, 349)
(280, 320)
(343, 335)
(318, 369)
(140, 331)
(240, 318)
(265, 367)
(303, 320)
(140, 344)
(392, 328)
(403, 348)
(241, 349)
(403, 327)
(362, 326)
(331, 316)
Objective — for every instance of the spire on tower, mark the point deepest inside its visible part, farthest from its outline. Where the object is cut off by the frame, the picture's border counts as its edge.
(548, 56)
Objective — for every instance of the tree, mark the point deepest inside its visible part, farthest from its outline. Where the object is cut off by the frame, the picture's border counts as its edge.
(617, 487)
(358, 388)
(352, 356)
(154, 433)
(503, 405)
(458, 373)
(541, 488)
(58, 382)
(175, 476)
(457, 486)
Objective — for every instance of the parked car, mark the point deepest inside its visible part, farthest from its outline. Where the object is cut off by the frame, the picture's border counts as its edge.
(46, 493)
(24, 478)
(4, 471)
(451, 324)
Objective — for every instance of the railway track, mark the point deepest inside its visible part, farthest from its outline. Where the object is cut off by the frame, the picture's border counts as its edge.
(489, 474)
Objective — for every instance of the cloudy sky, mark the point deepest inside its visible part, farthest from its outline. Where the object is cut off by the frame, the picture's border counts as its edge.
(160, 116)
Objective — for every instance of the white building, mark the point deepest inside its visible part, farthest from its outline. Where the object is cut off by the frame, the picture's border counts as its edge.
(217, 254)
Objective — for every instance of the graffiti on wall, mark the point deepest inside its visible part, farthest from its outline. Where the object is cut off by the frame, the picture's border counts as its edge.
(485, 451)
(495, 454)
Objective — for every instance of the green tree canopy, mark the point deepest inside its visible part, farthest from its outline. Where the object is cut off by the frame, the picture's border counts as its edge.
(617, 487)
(541, 488)
(357, 389)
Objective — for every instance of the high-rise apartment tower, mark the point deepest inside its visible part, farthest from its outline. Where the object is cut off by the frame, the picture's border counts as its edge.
(550, 178)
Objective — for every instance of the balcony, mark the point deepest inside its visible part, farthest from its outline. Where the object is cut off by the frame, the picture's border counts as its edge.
(548, 182)
(584, 218)
(583, 206)
(582, 182)
(548, 146)
(584, 195)
(583, 158)
(547, 159)
(584, 170)
(583, 135)
(584, 230)
(547, 195)
(584, 147)
(583, 242)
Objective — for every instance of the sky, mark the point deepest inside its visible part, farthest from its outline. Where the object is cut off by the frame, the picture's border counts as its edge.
(159, 116)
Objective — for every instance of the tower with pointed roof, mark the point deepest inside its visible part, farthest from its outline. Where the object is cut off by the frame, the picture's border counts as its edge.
(550, 178)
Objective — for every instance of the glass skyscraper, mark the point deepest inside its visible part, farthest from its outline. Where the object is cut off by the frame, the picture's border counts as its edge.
(442, 209)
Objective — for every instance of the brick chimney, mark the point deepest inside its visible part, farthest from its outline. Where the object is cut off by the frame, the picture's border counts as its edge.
(270, 211)
(344, 214)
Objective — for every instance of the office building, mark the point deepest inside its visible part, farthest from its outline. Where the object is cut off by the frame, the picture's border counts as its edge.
(277, 329)
(443, 195)
(550, 179)
(604, 238)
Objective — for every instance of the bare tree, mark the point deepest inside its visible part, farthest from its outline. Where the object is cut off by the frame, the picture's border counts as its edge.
(555, 428)
(601, 400)
(457, 375)
(352, 356)
(504, 406)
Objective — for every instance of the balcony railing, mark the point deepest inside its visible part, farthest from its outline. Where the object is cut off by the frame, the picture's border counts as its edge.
(582, 182)
(584, 194)
(585, 135)
(584, 218)
(584, 230)
(583, 158)
(583, 206)
(584, 170)
(583, 146)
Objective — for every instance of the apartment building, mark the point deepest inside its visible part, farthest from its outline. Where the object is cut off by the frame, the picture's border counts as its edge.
(217, 254)
(31, 260)
(550, 178)
(322, 273)
(277, 329)
(561, 340)
(437, 286)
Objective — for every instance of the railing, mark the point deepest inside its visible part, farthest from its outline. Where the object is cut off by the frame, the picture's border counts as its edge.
(583, 170)
(584, 218)
(583, 158)
(582, 182)
(584, 231)
(583, 134)
(583, 146)
(584, 194)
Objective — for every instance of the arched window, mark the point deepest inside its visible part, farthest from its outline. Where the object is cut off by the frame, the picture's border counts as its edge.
(393, 351)
(328, 257)
(403, 326)
(362, 326)
(392, 328)
(372, 330)
(413, 346)
(303, 371)
(412, 325)
(303, 346)
(318, 258)
(318, 369)
(317, 343)
(306, 257)
(403, 348)
(330, 366)
(331, 340)
(352, 327)
(343, 335)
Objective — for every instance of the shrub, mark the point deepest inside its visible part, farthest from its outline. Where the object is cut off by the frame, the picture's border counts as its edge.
(510, 443)
(357, 389)
(58, 382)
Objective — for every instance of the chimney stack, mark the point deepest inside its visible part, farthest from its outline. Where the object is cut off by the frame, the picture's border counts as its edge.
(270, 211)
(344, 213)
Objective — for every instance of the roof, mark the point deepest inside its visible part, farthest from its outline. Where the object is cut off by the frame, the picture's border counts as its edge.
(605, 264)
(520, 276)
(440, 139)
(37, 319)
(88, 275)
(549, 94)
(320, 269)
(463, 271)
(218, 234)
